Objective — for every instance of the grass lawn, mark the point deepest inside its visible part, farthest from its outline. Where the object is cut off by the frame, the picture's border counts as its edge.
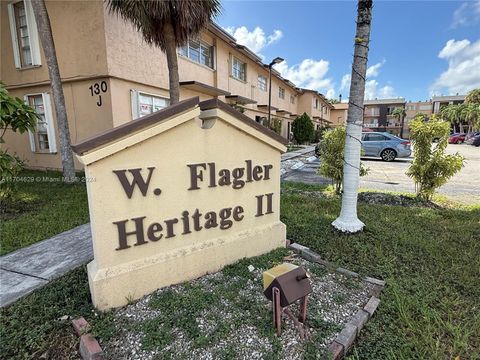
(42, 207)
(430, 258)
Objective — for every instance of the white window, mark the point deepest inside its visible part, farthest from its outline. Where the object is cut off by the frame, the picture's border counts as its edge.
(292, 99)
(23, 28)
(281, 93)
(239, 69)
(145, 104)
(198, 51)
(43, 138)
(316, 103)
(262, 83)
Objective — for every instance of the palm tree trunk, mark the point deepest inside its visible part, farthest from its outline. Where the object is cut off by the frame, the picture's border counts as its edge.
(45, 33)
(172, 62)
(348, 220)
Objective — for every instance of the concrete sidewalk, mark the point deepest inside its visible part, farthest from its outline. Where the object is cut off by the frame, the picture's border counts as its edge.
(30, 268)
(294, 154)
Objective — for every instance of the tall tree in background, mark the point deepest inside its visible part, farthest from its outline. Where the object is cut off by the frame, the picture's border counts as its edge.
(167, 24)
(348, 220)
(400, 114)
(45, 33)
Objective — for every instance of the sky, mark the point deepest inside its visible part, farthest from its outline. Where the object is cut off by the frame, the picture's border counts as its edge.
(418, 48)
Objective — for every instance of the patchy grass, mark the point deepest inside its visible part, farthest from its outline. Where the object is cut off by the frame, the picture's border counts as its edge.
(430, 258)
(42, 207)
(33, 328)
(293, 148)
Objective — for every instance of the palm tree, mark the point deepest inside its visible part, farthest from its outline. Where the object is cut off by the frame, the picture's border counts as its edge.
(348, 220)
(400, 114)
(471, 114)
(46, 38)
(167, 24)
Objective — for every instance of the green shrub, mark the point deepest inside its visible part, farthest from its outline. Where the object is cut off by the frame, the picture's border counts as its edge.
(275, 124)
(319, 134)
(303, 130)
(431, 167)
(331, 152)
(10, 167)
(16, 116)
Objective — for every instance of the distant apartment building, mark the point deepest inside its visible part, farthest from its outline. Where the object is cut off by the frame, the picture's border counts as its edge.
(438, 102)
(414, 108)
(111, 76)
(378, 115)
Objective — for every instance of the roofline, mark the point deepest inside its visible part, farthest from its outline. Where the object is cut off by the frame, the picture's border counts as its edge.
(218, 104)
(121, 131)
(225, 36)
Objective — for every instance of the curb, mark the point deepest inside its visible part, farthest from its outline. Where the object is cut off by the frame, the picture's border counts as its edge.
(345, 339)
(89, 347)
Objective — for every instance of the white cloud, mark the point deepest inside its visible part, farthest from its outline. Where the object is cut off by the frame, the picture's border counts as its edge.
(453, 47)
(346, 80)
(256, 39)
(386, 92)
(467, 14)
(310, 74)
(372, 89)
(463, 73)
(374, 70)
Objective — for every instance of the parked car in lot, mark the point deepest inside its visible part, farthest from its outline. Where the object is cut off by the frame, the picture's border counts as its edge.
(469, 139)
(475, 141)
(385, 145)
(456, 138)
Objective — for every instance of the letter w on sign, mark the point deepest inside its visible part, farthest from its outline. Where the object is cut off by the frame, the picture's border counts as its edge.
(138, 180)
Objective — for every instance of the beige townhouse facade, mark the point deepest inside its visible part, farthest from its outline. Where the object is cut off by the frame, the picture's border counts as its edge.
(339, 114)
(111, 76)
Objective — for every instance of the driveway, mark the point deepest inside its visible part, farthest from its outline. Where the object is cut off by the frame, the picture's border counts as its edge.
(463, 187)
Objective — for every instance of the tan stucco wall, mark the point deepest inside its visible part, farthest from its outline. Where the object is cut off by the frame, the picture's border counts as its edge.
(338, 117)
(85, 119)
(118, 275)
(78, 31)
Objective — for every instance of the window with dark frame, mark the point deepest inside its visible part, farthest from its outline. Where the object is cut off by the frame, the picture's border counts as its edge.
(23, 38)
(198, 51)
(239, 69)
(41, 130)
(262, 82)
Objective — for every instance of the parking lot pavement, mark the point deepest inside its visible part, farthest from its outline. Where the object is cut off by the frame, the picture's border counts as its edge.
(463, 187)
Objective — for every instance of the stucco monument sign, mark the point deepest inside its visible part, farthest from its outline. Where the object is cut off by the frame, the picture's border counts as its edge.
(178, 194)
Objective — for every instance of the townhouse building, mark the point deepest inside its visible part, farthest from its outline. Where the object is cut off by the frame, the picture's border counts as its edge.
(339, 114)
(110, 76)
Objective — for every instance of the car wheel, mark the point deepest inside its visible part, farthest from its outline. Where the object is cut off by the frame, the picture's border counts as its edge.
(388, 155)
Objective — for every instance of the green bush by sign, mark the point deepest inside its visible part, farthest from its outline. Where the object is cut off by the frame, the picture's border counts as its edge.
(16, 116)
(303, 130)
(331, 149)
(431, 166)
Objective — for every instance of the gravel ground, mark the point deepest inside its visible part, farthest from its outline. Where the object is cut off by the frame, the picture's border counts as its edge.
(240, 326)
